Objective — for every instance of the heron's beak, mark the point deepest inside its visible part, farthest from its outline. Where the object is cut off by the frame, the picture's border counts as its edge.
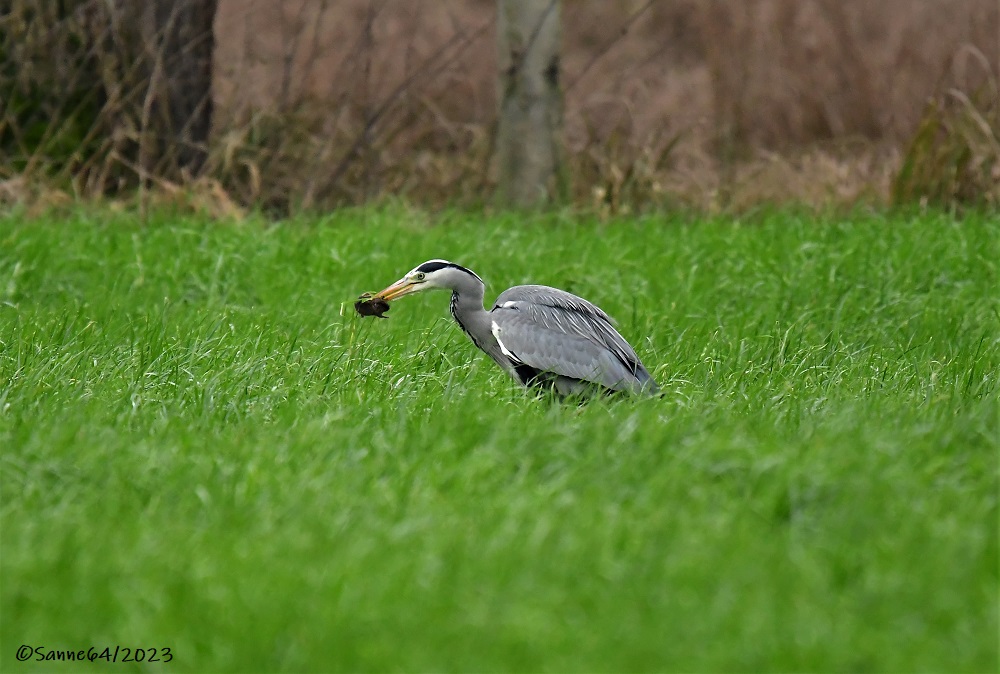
(401, 287)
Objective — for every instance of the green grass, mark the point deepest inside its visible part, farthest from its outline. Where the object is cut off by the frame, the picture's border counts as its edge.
(204, 449)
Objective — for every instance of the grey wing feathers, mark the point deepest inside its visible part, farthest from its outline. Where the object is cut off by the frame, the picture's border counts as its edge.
(555, 331)
(552, 297)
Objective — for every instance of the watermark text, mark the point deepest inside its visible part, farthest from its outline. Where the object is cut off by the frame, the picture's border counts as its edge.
(26, 652)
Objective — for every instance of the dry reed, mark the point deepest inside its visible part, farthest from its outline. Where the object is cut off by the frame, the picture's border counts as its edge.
(705, 103)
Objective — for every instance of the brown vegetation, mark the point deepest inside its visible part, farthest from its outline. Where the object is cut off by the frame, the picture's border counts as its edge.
(708, 103)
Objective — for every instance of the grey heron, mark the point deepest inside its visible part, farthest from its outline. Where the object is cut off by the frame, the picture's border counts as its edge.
(542, 337)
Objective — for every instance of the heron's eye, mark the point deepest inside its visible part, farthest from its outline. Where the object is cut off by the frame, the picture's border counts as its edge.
(419, 276)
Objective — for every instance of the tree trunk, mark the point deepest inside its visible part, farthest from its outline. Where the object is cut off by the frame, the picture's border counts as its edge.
(529, 135)
(177, 113)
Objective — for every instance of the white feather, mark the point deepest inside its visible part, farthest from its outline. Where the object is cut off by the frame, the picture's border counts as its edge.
(495, 329)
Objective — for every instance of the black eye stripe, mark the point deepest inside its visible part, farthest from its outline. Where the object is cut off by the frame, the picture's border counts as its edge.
(428, 267)
(437, 265)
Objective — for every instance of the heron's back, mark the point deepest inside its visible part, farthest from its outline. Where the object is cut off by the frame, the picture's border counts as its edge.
(555, 331)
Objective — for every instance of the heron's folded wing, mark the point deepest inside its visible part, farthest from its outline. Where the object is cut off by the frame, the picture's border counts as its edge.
(564, 312)
(526, 339)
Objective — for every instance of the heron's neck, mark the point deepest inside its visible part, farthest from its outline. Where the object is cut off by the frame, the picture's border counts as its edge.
(467, 308)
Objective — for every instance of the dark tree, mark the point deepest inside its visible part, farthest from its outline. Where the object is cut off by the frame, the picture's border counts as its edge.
(178, 44)
(107, 93)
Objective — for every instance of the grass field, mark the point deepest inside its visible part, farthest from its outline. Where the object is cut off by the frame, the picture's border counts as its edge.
(203, 449)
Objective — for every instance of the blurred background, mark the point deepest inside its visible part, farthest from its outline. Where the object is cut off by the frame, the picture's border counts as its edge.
(705, 104)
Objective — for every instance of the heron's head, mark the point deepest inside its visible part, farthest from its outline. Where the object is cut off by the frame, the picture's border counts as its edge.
(433, 274)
